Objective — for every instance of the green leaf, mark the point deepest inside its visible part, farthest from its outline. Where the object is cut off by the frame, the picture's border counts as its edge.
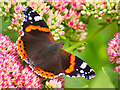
(112, 75)
(13, 35)
(46, 16)
(74, 83)
(102, 23)
(85, 19)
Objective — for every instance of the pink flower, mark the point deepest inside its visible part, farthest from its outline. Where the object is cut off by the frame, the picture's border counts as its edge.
(101, 13)
(57, 13)
(117, 69)
(118, 60)
(61, 32)
(22, 18)
(58, 5)
(15, 29)
(4, 14)
(77, 27)
(47, 9)
(67, 16)
(7, 10)
(20, 32)
(62, 9)
(5, 61)
(83, 27)
(58, 23)
(15, 21)
(71, 23)
(18, 16)
(14, 2)
(55, 83)
(108, 19)
(28, 78)
(114, 51)
(2, 3)
(17, 9)
(9, 27)
(12, 74)
(104, 3)
(73, 4)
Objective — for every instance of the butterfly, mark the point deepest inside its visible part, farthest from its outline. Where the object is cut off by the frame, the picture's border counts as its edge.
(38, 49)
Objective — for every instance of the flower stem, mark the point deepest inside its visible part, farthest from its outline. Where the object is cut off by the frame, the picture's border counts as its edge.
(94, 33)
(88, 38)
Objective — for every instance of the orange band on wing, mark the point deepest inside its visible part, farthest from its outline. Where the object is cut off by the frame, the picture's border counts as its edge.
(23, 54)
(72, 64)
(34, 27)
(21, 50)
(45, 73)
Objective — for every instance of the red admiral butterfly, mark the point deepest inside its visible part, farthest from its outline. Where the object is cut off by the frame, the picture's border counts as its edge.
(45, 56)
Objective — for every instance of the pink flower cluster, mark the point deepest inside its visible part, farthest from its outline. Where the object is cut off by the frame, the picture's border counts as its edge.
(73, 20)
(17, 16)
(56, 82)
(27, 79)
(54, 23)
(59, 4)
(72, 16)
(12, 73)
(114, 51)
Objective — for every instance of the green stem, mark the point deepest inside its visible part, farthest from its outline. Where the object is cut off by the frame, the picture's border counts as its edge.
(88, 38)
(94, 33)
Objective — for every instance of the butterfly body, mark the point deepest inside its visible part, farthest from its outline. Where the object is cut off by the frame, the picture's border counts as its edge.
(45, 56)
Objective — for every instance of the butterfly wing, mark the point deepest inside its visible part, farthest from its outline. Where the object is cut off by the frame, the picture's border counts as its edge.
(75, 67)
(37, 45)
(36, 32)
(34, 22)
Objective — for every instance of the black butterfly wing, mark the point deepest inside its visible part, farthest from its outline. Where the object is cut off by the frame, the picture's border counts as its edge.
(37, 46)
(75, 67)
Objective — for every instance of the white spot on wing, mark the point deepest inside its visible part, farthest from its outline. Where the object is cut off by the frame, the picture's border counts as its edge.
(73, 76)
(30, 12)
(33, 11)
(67, 76)
(91, 70)
(83, 65)
(37, 18)
(26, 16)
(81, 71)
(30, 18)
(83, 75)
(76, 69)
(78, 75)
(61, 74)
(89, 77)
